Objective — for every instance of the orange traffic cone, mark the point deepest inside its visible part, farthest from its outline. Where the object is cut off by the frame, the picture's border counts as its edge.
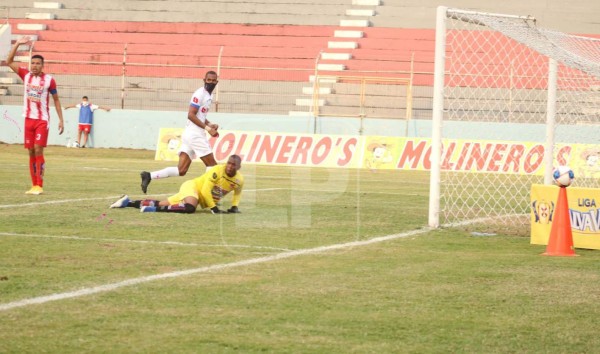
(561, 237)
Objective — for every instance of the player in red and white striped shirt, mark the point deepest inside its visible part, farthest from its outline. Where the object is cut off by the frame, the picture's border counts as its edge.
(38, 87)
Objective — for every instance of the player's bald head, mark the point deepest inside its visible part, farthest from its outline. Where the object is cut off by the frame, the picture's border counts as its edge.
(237, 159)
(234, 163)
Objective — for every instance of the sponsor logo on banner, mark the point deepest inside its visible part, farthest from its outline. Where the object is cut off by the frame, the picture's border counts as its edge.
(286, 149)
(305, 150)
(167, 147)
(376, 152)
(478, 156)
(583, 214)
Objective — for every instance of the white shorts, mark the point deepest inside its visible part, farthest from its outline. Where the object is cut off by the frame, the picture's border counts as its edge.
(195, 144)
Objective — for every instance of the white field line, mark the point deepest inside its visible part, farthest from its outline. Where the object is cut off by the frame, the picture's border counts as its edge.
(62, 201)
(357, 192)
(481, 220)
(211, 268)
(366, 178)
(107, 169)
(169, 243)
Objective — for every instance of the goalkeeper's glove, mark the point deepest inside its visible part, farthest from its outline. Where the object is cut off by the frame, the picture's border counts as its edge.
(233, 210)
(216, 210)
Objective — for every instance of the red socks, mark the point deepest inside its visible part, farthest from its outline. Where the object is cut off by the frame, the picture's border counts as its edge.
(37, 165)
(32, 170)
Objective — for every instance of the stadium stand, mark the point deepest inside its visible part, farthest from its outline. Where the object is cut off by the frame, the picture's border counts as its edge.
(300, 12)
(566, 16)
(269, 51)
(290, 50)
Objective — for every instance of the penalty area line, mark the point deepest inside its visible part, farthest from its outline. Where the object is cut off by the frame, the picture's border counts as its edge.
(168, 243)
(62, 201)
(211, 268)
(50, 202)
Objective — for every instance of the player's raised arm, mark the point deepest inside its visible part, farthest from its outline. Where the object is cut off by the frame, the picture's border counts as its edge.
(13, 51)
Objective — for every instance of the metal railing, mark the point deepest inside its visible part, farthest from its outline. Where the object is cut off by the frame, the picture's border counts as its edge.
(129, 85)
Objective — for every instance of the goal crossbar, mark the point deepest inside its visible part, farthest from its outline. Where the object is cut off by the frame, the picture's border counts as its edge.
(504, 73)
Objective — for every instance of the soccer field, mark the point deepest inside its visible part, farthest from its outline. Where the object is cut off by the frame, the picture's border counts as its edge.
(319, 261)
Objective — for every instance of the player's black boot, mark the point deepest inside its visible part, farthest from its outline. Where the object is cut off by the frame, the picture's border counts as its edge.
(145, 180)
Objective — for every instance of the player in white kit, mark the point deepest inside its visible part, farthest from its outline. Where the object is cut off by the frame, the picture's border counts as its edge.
(194, 142)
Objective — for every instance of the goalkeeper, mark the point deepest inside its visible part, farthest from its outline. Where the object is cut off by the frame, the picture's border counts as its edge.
(206, 191)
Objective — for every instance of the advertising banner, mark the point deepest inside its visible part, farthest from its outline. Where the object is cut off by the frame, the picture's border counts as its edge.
(272, 148)
(380, 152)
(583, 213)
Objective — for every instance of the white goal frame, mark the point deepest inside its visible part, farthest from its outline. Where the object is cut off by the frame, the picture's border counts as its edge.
(569, 54)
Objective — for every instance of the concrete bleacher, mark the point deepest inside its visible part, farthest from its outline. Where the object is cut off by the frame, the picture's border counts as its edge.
(269, 49)
(565, 16)
(301, 12)
(290, 50)
(182, 44)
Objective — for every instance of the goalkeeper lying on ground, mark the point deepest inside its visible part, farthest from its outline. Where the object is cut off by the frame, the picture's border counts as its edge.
(206, 190)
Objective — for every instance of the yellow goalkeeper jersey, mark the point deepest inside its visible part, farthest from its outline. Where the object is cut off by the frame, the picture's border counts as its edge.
(213, 185)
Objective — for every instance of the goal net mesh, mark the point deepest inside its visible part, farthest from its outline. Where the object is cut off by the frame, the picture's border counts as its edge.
(497, 80)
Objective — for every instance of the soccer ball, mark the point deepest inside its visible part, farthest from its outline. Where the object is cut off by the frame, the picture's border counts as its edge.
(563, 176)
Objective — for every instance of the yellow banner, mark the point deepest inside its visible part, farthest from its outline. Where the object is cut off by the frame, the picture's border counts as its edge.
(273, 148)
(169, 142)
(462, 155)
(380, 152)
(583, 212)
(584, 160)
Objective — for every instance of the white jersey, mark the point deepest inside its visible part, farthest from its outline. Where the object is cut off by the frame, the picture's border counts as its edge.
(194, 141)
(93, 107)
(202, 100)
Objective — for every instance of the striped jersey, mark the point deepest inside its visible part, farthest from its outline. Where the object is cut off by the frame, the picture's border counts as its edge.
(36, 97)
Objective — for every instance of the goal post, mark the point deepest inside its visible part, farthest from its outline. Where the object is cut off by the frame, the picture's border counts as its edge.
(510, 102)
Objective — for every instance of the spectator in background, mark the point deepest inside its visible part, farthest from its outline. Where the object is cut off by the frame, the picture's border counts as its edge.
(86, 119)
(37, 89)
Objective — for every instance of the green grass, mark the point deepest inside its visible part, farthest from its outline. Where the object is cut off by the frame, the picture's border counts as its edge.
(437, 291)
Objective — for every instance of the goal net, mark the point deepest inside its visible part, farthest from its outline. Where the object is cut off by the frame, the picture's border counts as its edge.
(511, 101)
